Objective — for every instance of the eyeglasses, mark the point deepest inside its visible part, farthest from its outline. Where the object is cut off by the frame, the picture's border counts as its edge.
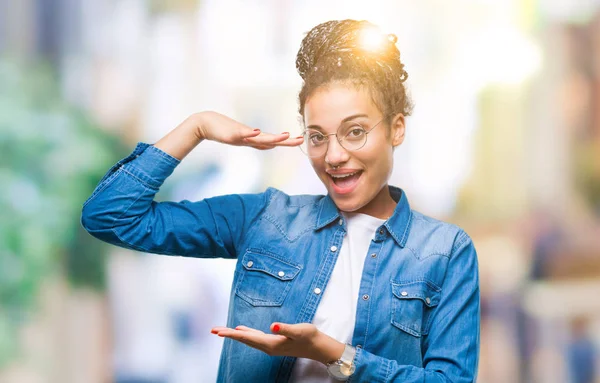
(351, 135)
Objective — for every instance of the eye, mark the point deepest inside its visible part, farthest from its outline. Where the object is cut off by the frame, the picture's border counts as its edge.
(355, 133)
(316, 138)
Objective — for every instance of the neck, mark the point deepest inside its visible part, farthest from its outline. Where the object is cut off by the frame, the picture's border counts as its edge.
(382, 206)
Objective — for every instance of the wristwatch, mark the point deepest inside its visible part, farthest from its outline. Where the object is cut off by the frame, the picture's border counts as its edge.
(343, 368)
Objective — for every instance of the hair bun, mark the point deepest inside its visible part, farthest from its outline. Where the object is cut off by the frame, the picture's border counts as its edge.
(356, 52)
(345, 37)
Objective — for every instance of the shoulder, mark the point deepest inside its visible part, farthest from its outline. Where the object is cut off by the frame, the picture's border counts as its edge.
(271, 201)
(280, 199)
(433, 236)
(292, 215)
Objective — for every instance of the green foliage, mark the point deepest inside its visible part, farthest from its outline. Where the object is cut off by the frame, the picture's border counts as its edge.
(51, 157)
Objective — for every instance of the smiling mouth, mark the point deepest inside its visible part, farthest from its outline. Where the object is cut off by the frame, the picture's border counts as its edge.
(346, 180)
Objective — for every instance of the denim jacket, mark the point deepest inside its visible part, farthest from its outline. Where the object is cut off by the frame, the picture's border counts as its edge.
(418, 312)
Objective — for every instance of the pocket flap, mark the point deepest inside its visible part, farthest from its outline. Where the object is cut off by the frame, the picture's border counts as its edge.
(270, 264)
(423, 290)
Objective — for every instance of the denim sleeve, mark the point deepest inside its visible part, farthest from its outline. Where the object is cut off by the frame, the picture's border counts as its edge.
(451, 350)
(122, 211)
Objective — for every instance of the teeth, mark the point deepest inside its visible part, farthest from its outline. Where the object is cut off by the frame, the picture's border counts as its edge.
(343, 175)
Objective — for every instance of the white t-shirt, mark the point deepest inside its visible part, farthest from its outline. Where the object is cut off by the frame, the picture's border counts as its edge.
(336, 314)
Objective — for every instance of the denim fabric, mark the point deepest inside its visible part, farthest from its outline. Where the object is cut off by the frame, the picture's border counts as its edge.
(418, 312)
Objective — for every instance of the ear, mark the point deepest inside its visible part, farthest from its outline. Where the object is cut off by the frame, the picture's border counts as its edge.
(397, 129)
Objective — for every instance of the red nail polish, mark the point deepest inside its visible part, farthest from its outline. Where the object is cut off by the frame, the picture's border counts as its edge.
(257, 130)
(213, 331)
(276, 328)
(300, 137)
(285, 133)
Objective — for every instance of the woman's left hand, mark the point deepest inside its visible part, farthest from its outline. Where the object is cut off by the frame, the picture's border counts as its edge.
(301, 340)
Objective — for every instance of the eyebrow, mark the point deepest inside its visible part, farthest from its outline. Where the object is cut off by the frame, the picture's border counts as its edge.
(349, 118)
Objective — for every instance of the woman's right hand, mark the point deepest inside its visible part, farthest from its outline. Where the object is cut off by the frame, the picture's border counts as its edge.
(214, 126)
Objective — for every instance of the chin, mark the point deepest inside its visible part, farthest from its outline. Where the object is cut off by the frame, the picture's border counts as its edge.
(346, 205)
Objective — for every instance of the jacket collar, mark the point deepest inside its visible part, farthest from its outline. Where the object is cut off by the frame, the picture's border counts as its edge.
(398, 225)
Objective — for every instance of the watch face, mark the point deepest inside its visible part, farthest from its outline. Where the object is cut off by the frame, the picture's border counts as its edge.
(340, 370)
(346, 369)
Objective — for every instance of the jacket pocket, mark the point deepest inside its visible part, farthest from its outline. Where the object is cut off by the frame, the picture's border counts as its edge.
(412, 305)
(265, 278)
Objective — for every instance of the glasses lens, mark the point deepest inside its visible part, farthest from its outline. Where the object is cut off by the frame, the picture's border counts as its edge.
(352, 135)
(315, 143)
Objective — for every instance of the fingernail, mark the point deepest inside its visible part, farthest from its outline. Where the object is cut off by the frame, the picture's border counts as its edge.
(213, 331)
(285, 133)
(276, 328)
(300, 137)
(222, 336)
(257, 130)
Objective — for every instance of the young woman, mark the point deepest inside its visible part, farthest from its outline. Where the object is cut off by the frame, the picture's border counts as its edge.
(353, 285)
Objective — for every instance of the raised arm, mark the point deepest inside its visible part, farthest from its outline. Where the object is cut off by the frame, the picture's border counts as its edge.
(122, 210)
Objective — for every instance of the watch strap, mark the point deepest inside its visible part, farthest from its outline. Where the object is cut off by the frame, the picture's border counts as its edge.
(343, 368)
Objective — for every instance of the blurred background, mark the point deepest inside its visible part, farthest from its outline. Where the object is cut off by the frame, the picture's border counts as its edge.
(504, 141)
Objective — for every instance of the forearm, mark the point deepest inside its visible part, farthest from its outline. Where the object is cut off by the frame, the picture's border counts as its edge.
(370, 367)
(180, 141)
(125, 195)
(327, 349)
(122, 211)
(373, 368)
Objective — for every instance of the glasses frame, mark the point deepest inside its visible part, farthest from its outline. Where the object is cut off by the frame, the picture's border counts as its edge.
(338, 139)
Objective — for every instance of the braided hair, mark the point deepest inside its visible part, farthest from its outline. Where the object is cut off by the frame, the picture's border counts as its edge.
(336, 51)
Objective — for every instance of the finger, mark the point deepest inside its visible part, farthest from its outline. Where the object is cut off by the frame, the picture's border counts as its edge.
(291, 141)
(250, 133)
(293, 331)
(284, 329)
(240, 336)
(264, 140)
(216, 329)
(267, 343)
(254, 338)
(246, 328)
(267, 139)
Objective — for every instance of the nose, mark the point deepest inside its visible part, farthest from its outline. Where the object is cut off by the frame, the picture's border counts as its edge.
(336, 154)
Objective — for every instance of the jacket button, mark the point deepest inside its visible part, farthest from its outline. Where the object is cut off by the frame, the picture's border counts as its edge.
(250, 263)
(404, 293)
(317, 291)
(374, 255)
(341, 222)
(333, 248)
(428, 300)
(281, 273)
(381, 231)
(365, 297)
